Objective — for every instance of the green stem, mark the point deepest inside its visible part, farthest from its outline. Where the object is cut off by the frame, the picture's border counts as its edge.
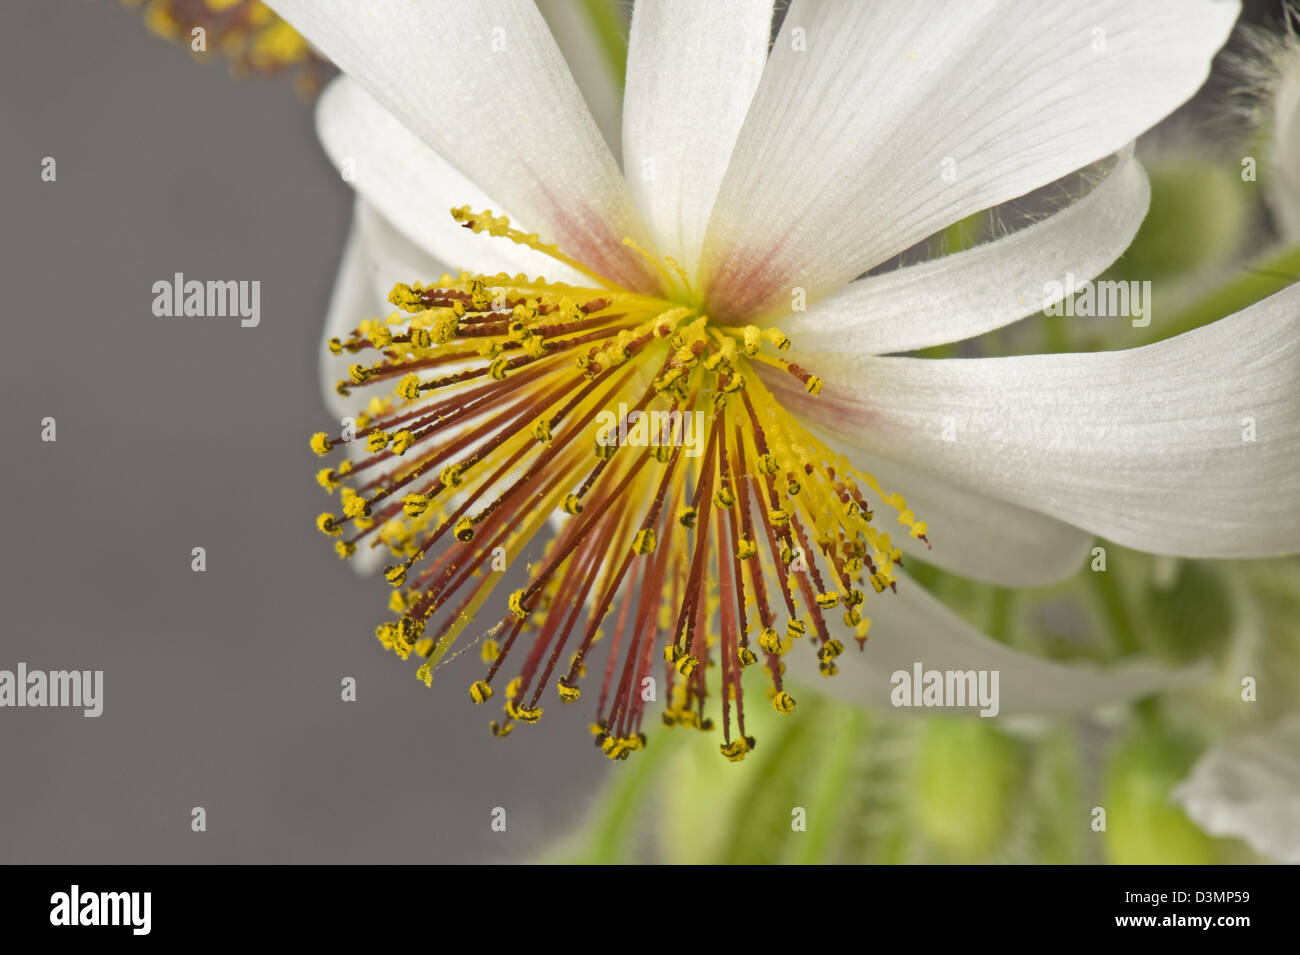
(1268, 274)
(610, 30)
(831, 792)
(605, 840)
(1002, 603)
(1107, 587)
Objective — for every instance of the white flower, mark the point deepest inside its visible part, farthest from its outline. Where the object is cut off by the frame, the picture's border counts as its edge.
(1249, 787)
(774, 178)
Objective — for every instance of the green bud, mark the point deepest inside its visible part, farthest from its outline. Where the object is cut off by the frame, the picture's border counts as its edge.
(1196, 220)
(966, 775)
(1143, 825)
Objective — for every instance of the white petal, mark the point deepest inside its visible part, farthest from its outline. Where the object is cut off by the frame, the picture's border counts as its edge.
(969, 293)
(575, 34)
(692, 69)
(911, 626)
(842, 159)
(1249, 787)
(482, 83)
(1187, 447)
(415, 188)
(978, 536)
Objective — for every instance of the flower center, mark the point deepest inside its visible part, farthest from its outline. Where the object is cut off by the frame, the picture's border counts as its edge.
(701, 517)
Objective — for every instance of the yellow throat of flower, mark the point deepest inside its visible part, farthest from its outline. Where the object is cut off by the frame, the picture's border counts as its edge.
(702, 519)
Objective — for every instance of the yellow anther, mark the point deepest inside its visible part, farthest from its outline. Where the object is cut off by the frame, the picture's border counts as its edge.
(542, 430)
(409, 630)
(814, 385)
(795, 629)
(499, 368)
(918, 529)
(687, 664)
(465, 529)
(516, 603)
(644, 541)
(406, 298)
(402, 441)
(423, 646)
(528, 714)
(395, 575)
(381, 336)
(777, 338)
(735, 750)
(409, 387)
(687, 517)
(413, 505)
(572, 504)
(746, 548)
(879, 581)
(500, 729)
(723, 498)
(320, 443)
(451, 475)
(480, 691)
(535, 346)
(354, 505)
(445, 329)
(828, 600)
(396, 601)
(745, 656)
(753, 339)
(386, 634)
(425, 673)
(376, 441)
(489, 651)
(778, 516)
(830, 651)
(568, 694)
(345, 549)
(734, 384)
(326, 524)
(770, 641)
(335, 346)
(359, 374)
(327, 479)
(783, 702)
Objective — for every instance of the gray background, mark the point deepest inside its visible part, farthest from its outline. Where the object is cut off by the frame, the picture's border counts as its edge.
(221, 688)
